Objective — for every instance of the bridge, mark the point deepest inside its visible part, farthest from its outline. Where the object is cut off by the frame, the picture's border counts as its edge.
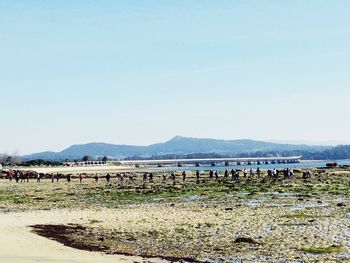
(211, 161)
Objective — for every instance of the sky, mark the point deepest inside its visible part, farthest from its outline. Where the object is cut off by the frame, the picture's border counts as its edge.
(141, 72)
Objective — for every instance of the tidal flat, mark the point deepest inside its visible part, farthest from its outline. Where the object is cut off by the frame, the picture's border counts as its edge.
(247, 220)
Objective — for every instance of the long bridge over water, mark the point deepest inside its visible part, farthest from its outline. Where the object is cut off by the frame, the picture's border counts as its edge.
(211, 161)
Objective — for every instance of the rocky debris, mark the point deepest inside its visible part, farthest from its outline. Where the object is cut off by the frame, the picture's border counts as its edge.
(245, 240)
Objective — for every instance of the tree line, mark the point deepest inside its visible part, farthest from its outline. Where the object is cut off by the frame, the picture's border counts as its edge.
(340, 152)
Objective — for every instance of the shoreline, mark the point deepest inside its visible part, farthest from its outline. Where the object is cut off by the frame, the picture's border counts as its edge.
(121, 169)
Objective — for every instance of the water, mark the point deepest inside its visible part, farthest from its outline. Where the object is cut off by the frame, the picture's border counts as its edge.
(280, 166)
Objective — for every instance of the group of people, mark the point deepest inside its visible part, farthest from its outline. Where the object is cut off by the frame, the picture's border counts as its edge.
(287, 173)
(21, 176)
(24, 176)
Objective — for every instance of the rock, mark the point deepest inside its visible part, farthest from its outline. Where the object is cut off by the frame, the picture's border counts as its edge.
(228, 209)
(245, 240)
(341, 205)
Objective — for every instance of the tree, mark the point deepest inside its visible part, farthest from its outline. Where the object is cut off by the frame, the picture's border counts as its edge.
(86, 158)
(12, 159)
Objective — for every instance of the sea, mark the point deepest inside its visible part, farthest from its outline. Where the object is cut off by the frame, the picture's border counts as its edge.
(222, 167)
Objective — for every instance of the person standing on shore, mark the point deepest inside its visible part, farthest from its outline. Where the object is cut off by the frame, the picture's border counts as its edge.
(291, 173)
(211, 174)
(251, 173)
(108, 177)
(68, 178)
(275, 174)
(258, 172)
(17, 176)
(96, 178)
(10, 175)
(183, 176)
(269, 174)
(233, 174)
(173, 177)
(237, 175)
(197, 176)
(81, 178)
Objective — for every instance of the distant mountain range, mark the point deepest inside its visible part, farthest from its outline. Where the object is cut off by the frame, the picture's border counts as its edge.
(177, 145)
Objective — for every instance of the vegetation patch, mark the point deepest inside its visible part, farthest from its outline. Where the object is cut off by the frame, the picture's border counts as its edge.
(321, 250)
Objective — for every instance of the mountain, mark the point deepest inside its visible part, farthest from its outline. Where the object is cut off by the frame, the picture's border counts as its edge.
(177, 145)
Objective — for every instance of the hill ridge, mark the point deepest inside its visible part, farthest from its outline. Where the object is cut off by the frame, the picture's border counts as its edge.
(175, 145)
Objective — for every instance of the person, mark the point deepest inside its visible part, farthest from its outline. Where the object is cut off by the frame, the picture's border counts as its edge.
(144, 177)
(269, 173)
(275, 174)
(57, 177)
(291, 173)
(21, 175)
(226, 173)
(151, 177)
(52, 178)
(10, 175)
(245, 173)
(237, 175)
(38, 175)
(121, 178)
(81, 178)
(309, 174)
(183, 176)
(258, 172)
(197, 176)
(211, 174)
(108, 177)
(233, 174)
(164, 177)
(251, 173)
(173, 177)
(69, 178)
(216, 175)
(96, 178)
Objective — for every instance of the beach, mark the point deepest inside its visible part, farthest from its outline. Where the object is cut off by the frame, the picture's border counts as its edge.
(250, 220)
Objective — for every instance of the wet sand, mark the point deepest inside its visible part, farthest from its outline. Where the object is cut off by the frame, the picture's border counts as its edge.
(18, 244)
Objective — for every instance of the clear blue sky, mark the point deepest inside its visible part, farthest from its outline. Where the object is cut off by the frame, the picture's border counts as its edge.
(139, 72)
